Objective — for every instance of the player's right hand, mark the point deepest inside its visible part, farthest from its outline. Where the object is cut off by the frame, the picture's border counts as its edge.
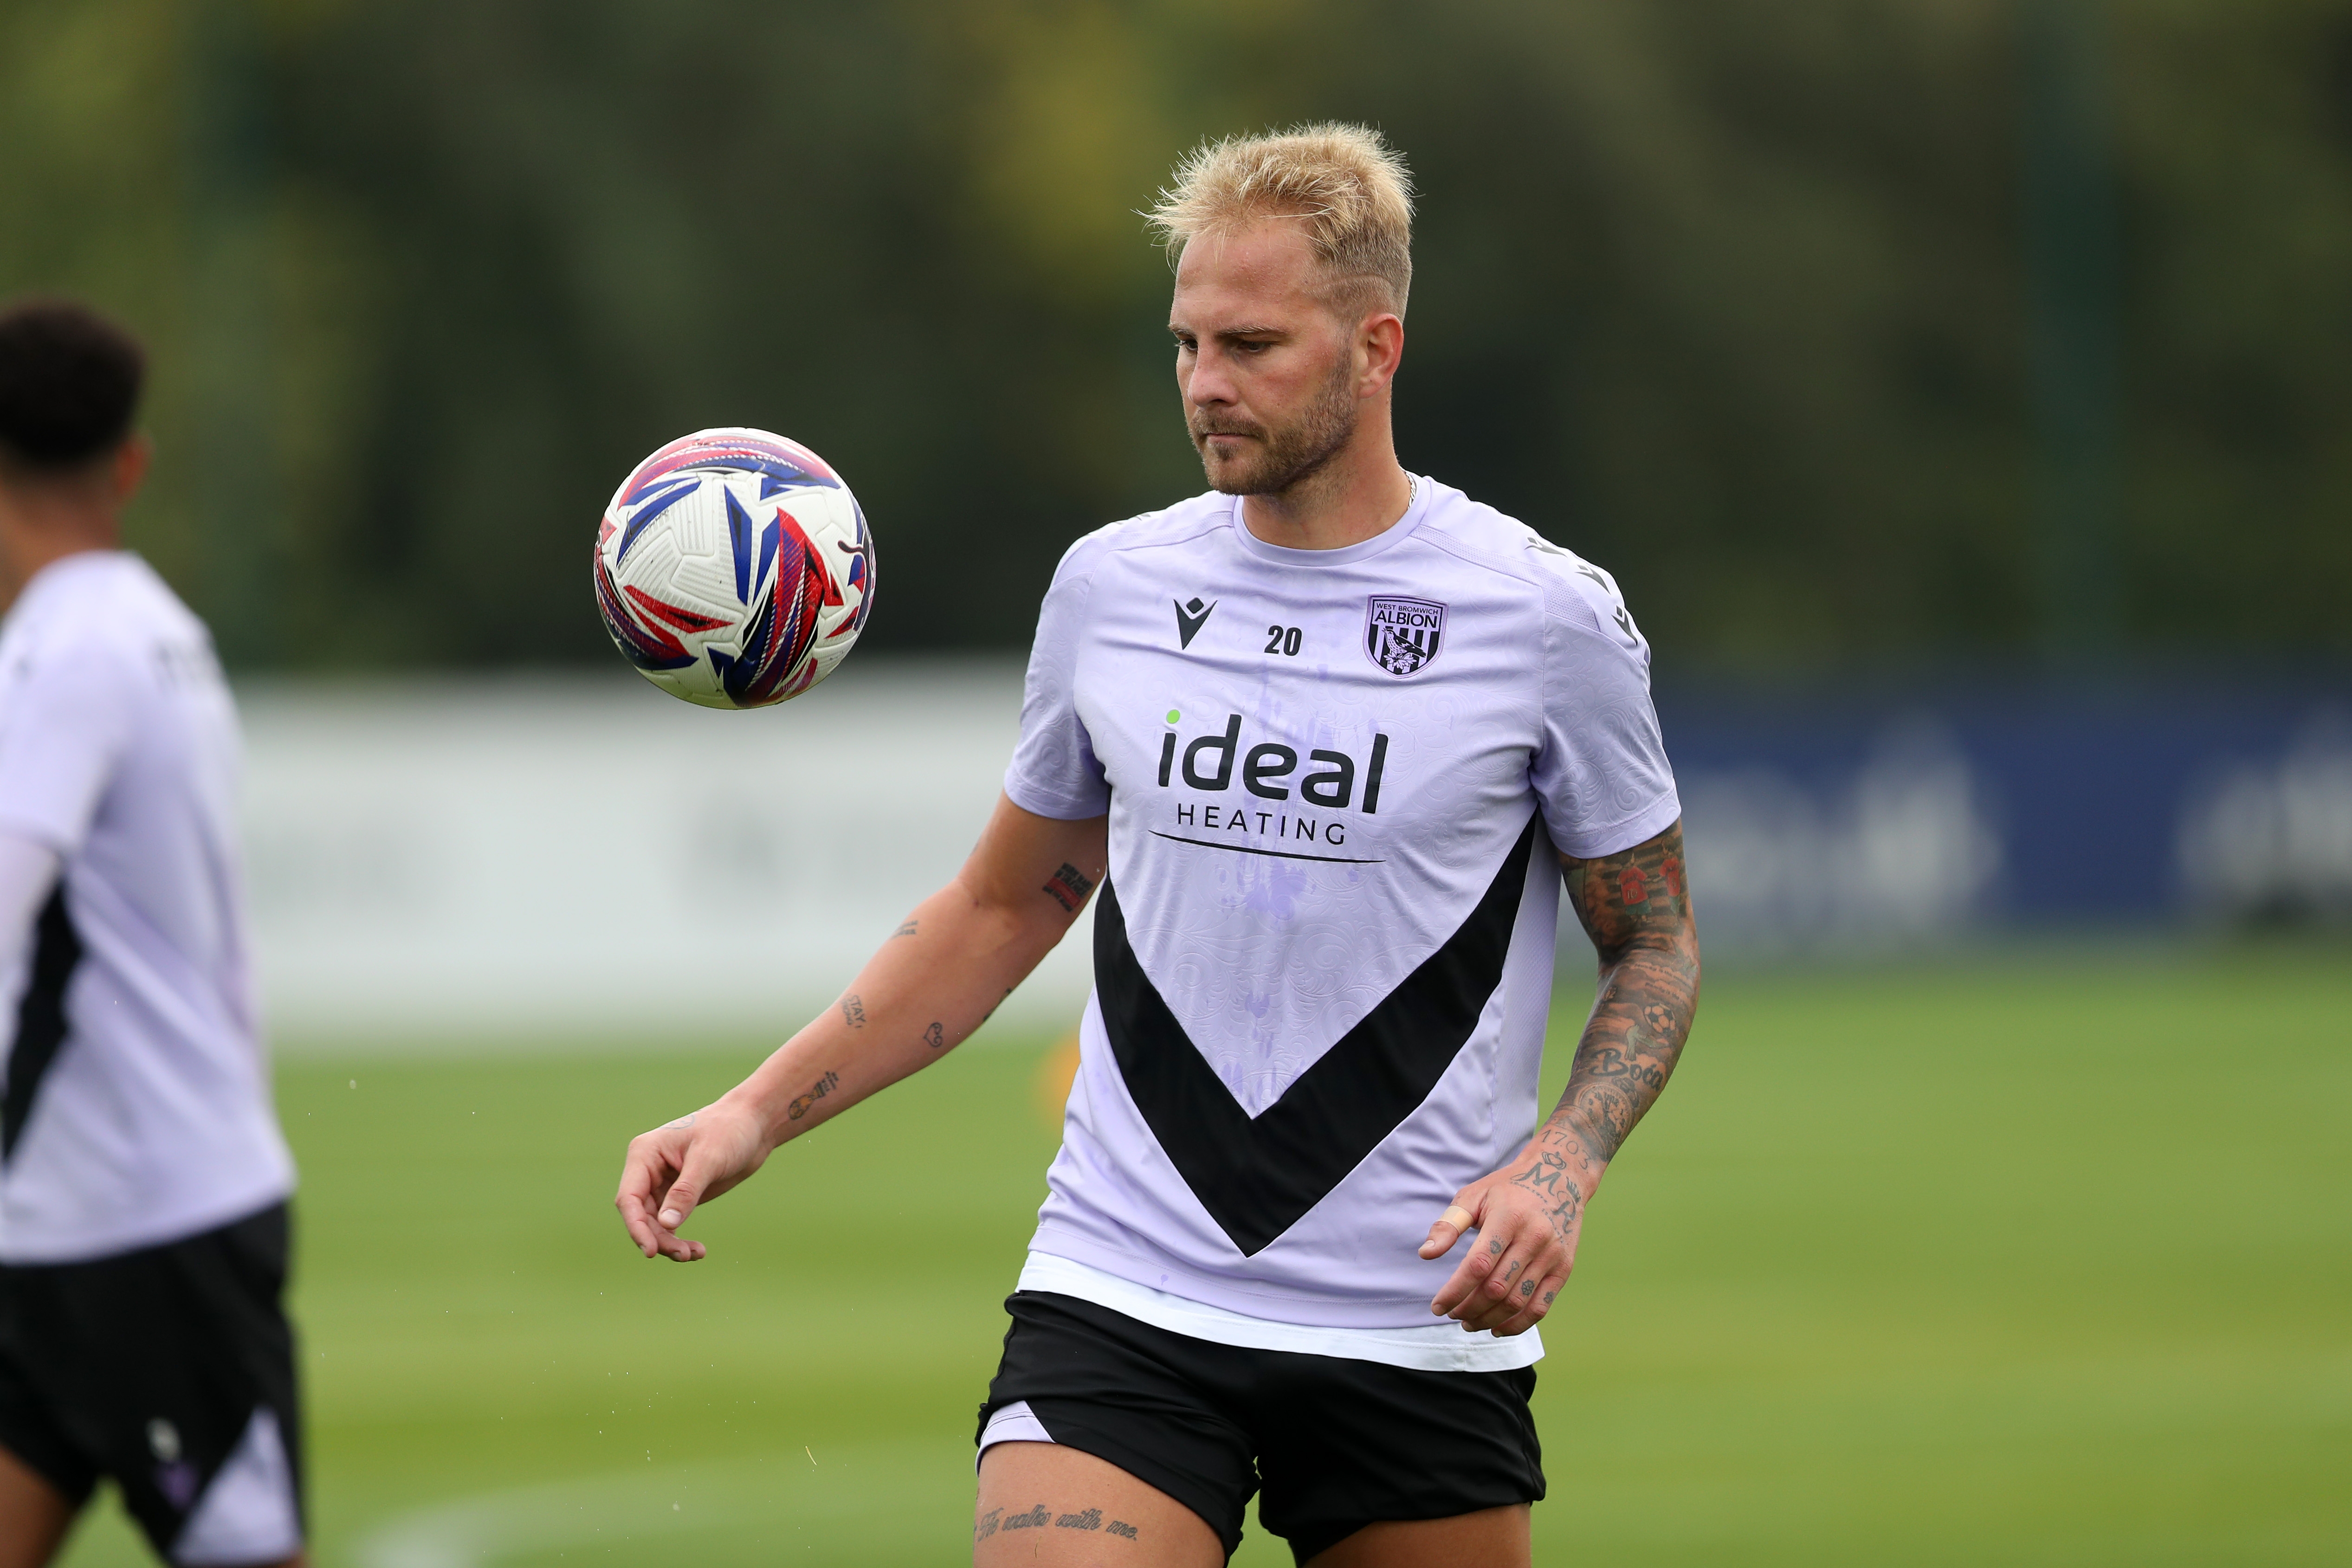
(679, 1164)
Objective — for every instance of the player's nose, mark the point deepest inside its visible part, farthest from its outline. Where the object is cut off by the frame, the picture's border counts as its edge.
(1211, 384)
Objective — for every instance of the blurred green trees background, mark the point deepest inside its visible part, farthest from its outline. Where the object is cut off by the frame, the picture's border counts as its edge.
(1740, 298)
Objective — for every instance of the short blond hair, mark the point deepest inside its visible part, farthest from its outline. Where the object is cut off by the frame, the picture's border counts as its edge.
(1347, 184)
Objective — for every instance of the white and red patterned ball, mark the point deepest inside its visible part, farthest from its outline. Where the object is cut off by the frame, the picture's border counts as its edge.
(734, 569)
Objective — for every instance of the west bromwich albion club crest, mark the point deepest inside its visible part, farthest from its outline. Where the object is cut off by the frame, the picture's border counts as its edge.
(1402, 635)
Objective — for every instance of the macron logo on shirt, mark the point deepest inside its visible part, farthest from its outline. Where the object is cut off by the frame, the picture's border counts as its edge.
(1190, 619)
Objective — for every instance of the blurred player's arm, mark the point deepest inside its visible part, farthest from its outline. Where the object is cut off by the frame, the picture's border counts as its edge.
(960, 954)
(1635, 905)
(29, 871)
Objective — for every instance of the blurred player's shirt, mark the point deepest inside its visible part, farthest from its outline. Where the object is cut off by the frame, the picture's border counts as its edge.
(137, 1107)
(1323, 954)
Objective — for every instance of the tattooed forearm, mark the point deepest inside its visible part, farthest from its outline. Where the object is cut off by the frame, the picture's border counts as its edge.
(853, 1010)
(1069, 887)
(1635, 897)
(818, 1091)
(1635, 905)
(907, 930)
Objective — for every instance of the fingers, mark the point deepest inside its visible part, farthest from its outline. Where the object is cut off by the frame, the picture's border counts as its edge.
(636, 1222)
(1508, 1287)
(1507, 1282)
(652, 1238)
(1537, 1298)
(1469, 1276)
(644, 1172)
(659, 1188)
(1494, 1314)
(1447, 1230)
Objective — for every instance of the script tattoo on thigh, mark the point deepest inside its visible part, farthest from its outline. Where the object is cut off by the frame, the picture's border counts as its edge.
(1069, 887)
(1036, 1518)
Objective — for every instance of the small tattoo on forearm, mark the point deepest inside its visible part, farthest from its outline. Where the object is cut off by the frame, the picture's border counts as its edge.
(823, 1087)
(935, 1037)
(853, 1010)
(1069, 887)
(906, 930)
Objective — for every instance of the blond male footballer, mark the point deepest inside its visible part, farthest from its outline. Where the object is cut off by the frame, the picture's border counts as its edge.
(1330, 739)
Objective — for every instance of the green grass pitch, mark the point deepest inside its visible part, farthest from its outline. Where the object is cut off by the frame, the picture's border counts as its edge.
(1986, 1263)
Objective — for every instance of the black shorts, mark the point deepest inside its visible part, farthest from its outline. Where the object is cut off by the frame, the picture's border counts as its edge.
(163, 1370)
(1335, 1444)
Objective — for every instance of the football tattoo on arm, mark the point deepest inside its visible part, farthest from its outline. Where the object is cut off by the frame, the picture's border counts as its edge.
(1636, 908)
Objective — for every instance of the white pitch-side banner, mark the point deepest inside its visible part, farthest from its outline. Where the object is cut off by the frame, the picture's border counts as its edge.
(586, 859)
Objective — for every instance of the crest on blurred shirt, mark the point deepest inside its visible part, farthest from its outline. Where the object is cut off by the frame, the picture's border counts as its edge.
(1402, 635)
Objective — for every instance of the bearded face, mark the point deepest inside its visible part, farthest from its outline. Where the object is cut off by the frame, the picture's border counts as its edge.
(1271, 458)
(1272, 358)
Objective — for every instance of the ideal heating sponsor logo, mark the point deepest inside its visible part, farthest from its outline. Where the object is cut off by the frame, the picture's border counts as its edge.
(1286, 802)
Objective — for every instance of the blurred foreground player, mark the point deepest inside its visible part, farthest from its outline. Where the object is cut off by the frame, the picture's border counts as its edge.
(142, 1177)
(1328, 736)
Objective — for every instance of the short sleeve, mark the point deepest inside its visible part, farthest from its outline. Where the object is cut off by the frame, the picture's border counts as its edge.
(1054, 772)
(65, 722)
(1600, 773)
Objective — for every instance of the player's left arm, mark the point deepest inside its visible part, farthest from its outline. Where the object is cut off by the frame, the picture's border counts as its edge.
(1635, 905)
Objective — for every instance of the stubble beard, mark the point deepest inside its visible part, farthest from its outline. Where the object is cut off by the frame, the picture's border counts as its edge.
(1283, 459)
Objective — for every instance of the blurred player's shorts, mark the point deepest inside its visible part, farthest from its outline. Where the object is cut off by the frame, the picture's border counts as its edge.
(169, 1369)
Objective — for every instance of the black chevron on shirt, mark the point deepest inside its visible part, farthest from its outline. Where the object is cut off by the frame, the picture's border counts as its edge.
(1257, 1176)
(40, 1016)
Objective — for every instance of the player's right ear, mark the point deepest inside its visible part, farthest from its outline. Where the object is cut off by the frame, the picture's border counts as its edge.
(127, 469)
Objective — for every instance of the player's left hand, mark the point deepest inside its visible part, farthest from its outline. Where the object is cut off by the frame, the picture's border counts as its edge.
(1528, 1216)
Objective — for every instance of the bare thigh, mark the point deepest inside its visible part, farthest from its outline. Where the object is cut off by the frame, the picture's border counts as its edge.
(33, 1515)
(1490, 1538)
(1048, 1506)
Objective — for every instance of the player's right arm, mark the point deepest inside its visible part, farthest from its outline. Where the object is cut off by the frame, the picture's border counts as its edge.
(951, 963)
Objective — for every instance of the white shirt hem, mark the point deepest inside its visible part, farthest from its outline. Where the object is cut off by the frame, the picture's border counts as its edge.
(87, 1244)
(1443, 1346)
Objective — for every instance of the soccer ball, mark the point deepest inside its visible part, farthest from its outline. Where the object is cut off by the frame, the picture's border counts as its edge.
(734, 569)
